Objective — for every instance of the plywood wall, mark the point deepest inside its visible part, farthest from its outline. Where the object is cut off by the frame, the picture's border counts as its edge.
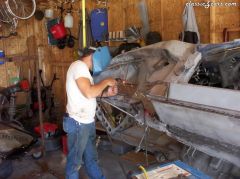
(32, 39)
(165, 16)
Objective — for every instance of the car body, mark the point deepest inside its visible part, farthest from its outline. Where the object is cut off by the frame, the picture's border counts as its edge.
(189, 92)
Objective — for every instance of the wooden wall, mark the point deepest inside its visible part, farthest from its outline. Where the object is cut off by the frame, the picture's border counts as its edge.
(165, 16)
(32, 39)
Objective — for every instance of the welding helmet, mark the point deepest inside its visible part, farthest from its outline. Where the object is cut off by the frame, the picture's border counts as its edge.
(100, 59)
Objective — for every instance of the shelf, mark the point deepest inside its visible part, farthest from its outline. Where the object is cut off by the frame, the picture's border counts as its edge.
(18, 58)
(117, 40)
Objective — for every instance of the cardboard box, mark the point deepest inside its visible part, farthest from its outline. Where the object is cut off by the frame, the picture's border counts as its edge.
(8, 72)
(21, 98)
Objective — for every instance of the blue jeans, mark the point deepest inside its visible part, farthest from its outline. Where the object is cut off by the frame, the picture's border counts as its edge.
(81, 149)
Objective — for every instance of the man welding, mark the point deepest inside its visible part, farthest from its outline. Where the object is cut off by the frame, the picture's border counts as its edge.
(79, 122)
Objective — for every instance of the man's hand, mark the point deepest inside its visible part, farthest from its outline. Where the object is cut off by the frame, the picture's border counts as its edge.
(93, 91)
(110, 81)
(112, 91)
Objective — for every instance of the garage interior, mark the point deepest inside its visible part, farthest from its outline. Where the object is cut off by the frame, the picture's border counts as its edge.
(176, 63)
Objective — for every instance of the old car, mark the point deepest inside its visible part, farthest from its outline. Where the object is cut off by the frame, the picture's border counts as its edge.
(181, 91)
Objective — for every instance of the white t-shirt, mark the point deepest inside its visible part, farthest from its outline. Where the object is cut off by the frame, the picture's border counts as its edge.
(79, 107)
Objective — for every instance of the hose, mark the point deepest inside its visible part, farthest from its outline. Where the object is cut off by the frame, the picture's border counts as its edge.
(144, 171)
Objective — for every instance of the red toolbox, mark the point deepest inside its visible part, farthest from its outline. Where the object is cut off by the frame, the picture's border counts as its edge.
(48, 128)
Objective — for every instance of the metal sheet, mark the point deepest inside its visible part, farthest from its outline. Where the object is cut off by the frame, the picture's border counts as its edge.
(210, 96)
(210, 124)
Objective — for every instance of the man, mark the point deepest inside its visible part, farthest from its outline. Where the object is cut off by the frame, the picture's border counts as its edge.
(79, 123)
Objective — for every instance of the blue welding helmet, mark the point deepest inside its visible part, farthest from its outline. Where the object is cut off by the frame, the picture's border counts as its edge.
(101, 59)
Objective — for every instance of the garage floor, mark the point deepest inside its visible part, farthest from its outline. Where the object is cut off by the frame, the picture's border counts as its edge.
(52, 166)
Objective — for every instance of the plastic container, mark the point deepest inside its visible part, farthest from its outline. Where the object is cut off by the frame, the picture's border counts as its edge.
(2, 54)
(68, 21)
(49, 13)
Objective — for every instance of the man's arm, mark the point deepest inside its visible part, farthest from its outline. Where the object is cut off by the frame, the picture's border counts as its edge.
(93, 91)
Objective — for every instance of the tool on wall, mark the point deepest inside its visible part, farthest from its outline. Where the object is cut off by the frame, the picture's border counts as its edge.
(190, 32)
(48, 13)
(59, 27)
(12, 11)
(58, 34)
(102, 2)
(39, 15)
(70, 40)
(49, 24)
(133, 34)
(56, 29)
(68, 19)
(143, 12)
(99, 24)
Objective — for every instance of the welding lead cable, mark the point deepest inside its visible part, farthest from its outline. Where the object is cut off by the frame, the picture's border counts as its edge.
(144, 171)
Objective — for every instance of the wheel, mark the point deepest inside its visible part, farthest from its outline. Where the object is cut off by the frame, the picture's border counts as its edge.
(160, 157)
(37, 155)
(22, 9)
(5, 16)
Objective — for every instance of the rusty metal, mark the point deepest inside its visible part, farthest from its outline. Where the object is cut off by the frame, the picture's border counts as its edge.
(124, 111)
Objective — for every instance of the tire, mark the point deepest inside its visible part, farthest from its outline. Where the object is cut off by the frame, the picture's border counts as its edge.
(21, 9)
(4, 15)
(37, 155)
(6, 169)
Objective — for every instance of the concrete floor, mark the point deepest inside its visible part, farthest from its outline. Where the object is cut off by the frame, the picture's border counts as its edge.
(52, 166)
